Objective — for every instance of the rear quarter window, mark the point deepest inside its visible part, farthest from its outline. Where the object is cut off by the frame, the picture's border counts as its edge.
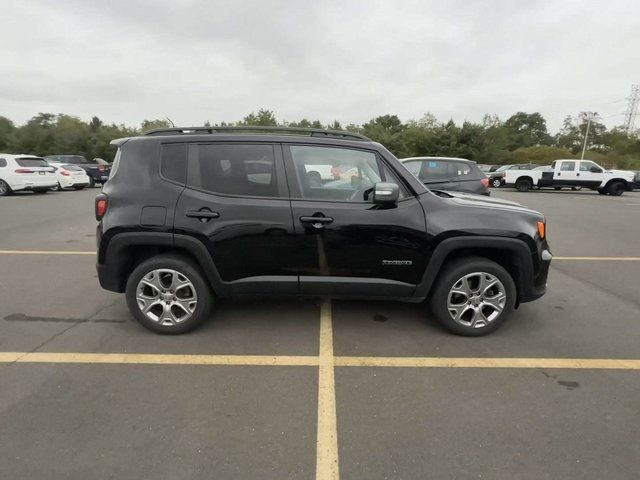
(173, 163)
(3, 163)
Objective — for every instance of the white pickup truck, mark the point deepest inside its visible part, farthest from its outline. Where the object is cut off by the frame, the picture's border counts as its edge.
(575, 174)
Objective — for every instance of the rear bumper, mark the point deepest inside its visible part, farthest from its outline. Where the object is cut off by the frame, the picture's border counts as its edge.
(33, 185)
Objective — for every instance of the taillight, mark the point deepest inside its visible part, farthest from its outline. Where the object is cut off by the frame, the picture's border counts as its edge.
(101, 206)
(24, 170)
(65, 173)
(485, 182)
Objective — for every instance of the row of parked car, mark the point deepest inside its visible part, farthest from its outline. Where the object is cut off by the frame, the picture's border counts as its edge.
(54, 172)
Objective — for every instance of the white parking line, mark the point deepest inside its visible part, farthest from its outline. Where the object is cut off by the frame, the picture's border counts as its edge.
(44, 252)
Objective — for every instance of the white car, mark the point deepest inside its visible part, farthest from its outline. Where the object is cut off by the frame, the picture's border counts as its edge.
(25, 172)
(70, 176)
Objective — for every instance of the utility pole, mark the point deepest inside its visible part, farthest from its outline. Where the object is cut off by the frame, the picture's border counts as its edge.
(588, 116)
(632, 108)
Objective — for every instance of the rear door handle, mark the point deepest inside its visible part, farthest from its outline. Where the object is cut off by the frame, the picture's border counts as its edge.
(204, 214)
(322, 220)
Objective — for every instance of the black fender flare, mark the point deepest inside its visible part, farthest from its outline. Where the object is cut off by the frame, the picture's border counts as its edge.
(519, 249)
(112, 261)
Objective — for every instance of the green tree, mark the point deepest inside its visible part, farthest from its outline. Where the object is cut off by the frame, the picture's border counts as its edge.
(7, 130)
(526, 130)
(148, 125)
(261, 119)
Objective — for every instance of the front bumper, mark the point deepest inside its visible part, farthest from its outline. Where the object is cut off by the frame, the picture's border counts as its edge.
(538, 287)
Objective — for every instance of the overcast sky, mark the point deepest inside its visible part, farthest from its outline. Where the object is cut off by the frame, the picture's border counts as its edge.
(125, 61)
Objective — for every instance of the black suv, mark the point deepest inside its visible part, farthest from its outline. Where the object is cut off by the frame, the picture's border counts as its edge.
(194, 214)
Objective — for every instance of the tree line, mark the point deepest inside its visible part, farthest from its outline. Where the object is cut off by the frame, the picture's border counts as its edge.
(521, 138)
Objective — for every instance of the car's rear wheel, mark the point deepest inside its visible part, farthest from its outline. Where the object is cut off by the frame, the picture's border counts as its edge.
(168, 294)
(5, 189)
(615, 189)
(524, 185)
(473, 296)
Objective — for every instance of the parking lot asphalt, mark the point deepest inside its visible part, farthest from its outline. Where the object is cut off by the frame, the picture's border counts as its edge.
(261, 391)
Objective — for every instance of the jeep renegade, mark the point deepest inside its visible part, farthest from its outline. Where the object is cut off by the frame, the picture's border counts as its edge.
(193, 214)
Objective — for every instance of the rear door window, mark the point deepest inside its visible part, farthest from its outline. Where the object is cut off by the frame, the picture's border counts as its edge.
(567, 166)
(234, 169)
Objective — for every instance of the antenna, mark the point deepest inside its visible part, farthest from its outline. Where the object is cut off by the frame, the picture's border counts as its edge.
(632, 108)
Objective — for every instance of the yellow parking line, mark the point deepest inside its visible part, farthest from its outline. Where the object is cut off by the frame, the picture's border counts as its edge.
(326, 359)
(141, 358)
(480, 362)
(606, 259)
(327, 465)
(43, 252)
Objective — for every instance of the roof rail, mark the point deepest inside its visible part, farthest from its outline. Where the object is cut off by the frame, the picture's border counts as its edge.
(313, 132)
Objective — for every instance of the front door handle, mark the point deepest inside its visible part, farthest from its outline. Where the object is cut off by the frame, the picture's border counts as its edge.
(317, 222)
(204, 214)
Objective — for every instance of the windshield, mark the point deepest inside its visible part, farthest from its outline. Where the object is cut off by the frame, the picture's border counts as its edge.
(72, 168)
(503, 168)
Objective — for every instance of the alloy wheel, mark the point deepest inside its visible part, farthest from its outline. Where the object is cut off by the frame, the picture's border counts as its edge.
(166, 296)
(476, 299)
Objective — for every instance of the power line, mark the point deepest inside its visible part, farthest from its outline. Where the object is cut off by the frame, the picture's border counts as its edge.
(632, 108)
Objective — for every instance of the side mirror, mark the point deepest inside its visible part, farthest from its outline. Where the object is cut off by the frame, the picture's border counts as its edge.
(595, 170)
(385, 193)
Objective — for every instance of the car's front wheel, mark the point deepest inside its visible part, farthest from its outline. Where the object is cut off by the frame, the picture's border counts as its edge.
(473, 296)
(496, 183)
(168, 294)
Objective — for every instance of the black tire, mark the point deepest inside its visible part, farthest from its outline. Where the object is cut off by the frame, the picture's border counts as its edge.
(523, 185)
(450, 275)
(92, 182)
(57, 188)
(602, 191)
(5, 189)
(615, 189)
(186, 268)
(496, 183)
